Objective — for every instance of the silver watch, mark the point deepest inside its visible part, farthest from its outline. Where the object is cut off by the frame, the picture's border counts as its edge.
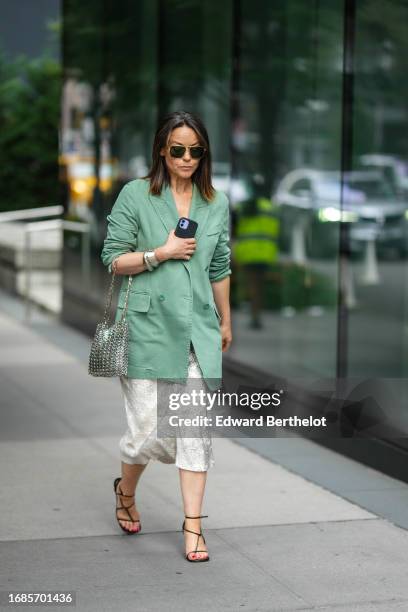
(150, 260)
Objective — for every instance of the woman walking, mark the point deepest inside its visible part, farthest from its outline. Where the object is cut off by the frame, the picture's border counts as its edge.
(178, 309)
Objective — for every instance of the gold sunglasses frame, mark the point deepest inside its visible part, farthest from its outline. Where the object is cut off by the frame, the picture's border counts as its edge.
(185, 148)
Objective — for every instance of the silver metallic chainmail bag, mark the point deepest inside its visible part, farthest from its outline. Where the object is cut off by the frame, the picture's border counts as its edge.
(109, 348)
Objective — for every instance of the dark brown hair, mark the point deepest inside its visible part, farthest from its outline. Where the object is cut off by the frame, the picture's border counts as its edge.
(158, 173)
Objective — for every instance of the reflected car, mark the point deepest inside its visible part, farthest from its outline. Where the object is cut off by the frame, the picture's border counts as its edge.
(314, 200)
(393, 169)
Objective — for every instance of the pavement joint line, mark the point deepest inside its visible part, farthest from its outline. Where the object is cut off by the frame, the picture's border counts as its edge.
(346, 606)
(212, 529)
(259, 567)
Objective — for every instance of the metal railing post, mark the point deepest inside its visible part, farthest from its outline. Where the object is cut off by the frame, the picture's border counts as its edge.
(39, 226)
(86, 246)
(27, 268)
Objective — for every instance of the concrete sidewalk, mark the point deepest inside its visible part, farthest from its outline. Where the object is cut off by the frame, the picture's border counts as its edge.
(277, 541)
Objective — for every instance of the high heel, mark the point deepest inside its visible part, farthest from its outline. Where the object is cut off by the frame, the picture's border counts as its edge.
(129, 531)
(198, 537)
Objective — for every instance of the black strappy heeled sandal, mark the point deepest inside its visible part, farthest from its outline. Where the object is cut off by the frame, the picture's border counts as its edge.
(198, 537)
(115, 486)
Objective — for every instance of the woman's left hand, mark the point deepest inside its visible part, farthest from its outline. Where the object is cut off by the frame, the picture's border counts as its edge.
(226, 336)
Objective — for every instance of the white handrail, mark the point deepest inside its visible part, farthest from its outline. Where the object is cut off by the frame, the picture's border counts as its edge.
(75, 226)
(39, 226)
(31, 213)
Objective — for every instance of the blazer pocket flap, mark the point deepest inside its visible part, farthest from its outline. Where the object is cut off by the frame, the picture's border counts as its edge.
(136, 301)
(213, 231)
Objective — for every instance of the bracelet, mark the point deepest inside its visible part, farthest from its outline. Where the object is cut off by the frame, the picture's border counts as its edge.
(150, 260)
(114, 265)
(147, 262)
(153, 259)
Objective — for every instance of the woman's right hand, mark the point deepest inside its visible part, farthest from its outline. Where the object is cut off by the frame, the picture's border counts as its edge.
(176, 248)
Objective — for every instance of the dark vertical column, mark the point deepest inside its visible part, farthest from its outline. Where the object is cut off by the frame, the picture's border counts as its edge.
(346, 165)
(63, 38)
(235, 76)
(161, 90)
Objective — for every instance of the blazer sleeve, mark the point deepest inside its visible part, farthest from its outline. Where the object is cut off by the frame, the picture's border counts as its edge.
(122, 229)
(221, 261)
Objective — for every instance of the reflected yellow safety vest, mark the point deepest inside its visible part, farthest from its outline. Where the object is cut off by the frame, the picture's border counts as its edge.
(256, 239)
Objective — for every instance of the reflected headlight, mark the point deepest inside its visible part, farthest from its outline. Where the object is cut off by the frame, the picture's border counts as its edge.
(335, 214)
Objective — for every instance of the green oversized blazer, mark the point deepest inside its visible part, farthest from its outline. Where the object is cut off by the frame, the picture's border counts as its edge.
(173, 305)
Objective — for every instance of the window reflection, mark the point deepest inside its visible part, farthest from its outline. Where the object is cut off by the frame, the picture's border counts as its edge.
(267, 78)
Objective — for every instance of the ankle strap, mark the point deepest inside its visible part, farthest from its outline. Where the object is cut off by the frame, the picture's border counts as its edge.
(200, 516)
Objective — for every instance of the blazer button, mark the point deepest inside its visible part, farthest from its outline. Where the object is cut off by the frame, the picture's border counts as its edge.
(206, 306)
(206, 268)
(161, 297)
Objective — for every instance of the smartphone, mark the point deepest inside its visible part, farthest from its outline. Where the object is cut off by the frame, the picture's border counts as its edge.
(186, 228)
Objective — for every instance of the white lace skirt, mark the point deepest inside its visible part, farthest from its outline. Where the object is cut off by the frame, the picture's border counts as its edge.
(140, 444)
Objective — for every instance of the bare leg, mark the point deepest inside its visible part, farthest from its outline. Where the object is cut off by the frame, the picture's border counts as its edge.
(130, 478)
(192, 489)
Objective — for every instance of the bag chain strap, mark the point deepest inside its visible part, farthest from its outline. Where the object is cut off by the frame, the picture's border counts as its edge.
(106, 313)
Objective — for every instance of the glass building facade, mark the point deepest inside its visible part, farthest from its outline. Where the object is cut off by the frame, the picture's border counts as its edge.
(305, 105)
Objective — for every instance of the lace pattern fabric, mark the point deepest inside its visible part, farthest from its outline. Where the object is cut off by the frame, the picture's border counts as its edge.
(139, 444)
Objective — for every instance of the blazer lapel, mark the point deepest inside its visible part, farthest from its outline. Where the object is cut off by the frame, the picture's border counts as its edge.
(166, 209)
(165, 212)
(199, 211)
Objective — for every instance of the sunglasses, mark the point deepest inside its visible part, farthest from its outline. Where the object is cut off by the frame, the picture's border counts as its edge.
(196, 152)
